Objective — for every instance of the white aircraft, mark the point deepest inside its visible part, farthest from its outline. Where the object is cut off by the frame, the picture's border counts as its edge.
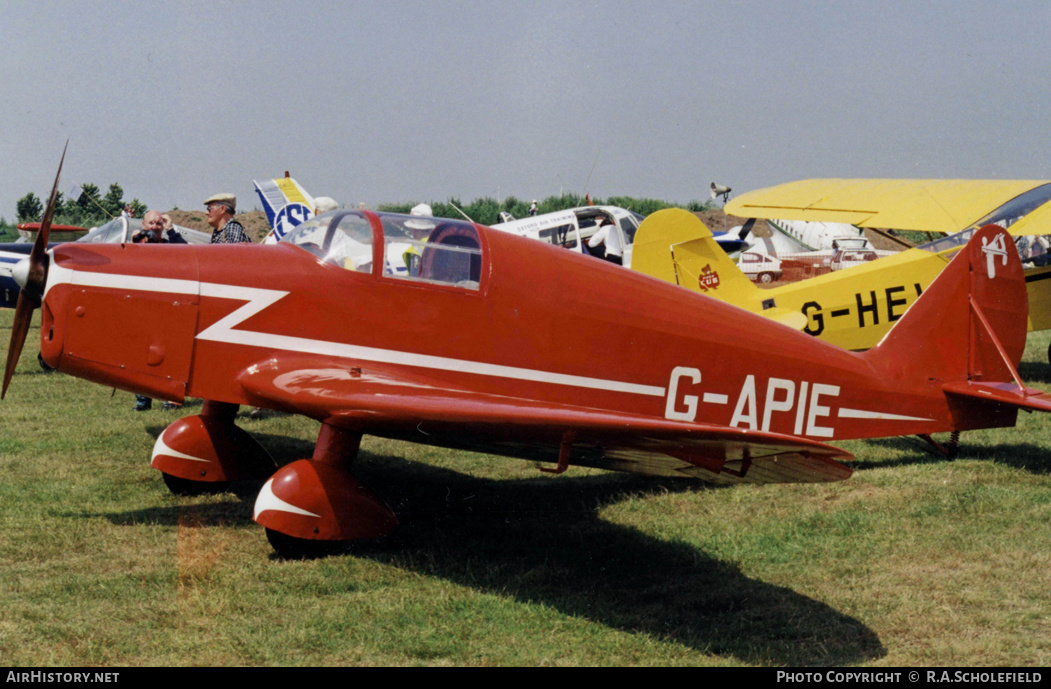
(287, 204)
(803, 249)
(572, 228)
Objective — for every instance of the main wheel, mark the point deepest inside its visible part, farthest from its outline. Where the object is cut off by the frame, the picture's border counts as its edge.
(292, 548)
(184, 486)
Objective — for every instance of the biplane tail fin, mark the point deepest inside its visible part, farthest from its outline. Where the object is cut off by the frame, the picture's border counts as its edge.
(967, 332)
(675, 246)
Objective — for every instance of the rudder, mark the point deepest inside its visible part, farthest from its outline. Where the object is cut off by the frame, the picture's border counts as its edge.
(970, 324)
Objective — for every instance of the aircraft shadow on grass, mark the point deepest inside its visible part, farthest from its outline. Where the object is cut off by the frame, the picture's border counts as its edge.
(543, 541)
(1034, 373)
(1029, 457)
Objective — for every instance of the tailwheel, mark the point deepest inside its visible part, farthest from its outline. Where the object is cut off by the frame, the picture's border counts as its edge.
(292, 548)
(953, 446)
(183, 486)
(949, 449)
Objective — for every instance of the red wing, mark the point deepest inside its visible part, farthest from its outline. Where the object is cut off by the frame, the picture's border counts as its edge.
(417, 409)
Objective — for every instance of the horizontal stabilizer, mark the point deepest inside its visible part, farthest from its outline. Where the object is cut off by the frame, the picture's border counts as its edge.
(1004, 393)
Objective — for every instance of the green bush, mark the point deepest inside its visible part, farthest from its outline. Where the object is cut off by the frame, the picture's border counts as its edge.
(90, 209)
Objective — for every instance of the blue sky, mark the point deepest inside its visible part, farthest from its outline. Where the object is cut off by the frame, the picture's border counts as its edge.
(406, 101)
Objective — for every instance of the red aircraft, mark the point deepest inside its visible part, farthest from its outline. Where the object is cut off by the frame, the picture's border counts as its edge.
(500, 344)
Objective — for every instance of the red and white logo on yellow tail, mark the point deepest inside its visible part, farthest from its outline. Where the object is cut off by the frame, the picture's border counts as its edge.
(709, 279)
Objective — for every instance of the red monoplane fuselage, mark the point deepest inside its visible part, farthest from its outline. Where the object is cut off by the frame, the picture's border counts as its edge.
(535, 343)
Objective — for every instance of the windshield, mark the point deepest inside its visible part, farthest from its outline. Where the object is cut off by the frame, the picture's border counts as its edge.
(340, 238)
(111, 233)
(1017, 208)
(629, 224)
(433, 250)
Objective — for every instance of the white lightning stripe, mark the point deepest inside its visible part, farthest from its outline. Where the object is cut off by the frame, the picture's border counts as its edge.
(863, 414)
(268, 501)
(57, 275)
(161, 448)
(260, 299)
(715, 398)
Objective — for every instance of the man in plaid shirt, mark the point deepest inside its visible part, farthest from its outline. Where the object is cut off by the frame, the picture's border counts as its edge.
(226, 230)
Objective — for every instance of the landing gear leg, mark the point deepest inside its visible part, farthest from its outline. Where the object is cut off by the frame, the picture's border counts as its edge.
(204, 453)
(314, 507)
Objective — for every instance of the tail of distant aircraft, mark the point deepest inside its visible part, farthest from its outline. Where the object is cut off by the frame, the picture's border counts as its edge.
(781, 242)
(675, 246)
(286, 205)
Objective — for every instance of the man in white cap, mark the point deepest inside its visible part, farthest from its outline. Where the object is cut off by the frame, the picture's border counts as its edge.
(324, 204)
(226, 230)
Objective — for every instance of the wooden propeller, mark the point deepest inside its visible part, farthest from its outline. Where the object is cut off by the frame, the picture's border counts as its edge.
(32, 292)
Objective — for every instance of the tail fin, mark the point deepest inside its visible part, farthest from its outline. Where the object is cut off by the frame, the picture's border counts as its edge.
(967, 331)
(675, 246)
(286, 205)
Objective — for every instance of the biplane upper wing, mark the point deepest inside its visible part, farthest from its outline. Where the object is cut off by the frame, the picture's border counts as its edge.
(379, 400)
(927, 205)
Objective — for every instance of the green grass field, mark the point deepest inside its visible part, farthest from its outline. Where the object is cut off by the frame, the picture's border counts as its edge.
(916, 560)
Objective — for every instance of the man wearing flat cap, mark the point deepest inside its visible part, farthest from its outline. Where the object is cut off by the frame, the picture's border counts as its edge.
(226, 230)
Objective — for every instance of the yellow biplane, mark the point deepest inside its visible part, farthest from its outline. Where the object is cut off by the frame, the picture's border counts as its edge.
(855, 308)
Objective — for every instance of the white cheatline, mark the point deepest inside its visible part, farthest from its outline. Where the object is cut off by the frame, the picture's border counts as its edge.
(259, 299)
(863, 414)
(268, 501)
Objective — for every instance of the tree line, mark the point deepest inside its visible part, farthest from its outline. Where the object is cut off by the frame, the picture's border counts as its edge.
(94, 208)
(487, 210)
(91, 207)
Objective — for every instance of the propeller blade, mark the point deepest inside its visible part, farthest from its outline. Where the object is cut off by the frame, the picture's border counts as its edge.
(32, 292)
(19, 329)
(40, 245)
